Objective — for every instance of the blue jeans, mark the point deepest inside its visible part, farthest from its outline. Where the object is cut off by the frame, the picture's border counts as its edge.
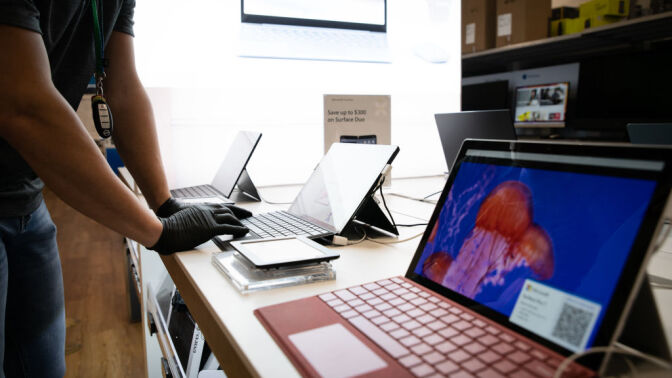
(32, 309)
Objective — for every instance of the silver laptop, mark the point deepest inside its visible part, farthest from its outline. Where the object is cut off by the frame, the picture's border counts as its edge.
(343, 30)
(231, 173)
(331, 198)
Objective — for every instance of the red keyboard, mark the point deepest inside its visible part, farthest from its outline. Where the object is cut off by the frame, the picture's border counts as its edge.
(433, 337)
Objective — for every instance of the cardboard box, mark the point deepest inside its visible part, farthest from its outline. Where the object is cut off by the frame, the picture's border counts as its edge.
(521, 20)
(564, 12)
(567, 26)
(478, 25)
(595, 8)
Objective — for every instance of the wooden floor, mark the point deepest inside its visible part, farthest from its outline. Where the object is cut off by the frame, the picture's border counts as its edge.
(100, 341)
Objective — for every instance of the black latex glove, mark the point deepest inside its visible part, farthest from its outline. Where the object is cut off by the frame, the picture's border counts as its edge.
(172, 206)
(195, 225)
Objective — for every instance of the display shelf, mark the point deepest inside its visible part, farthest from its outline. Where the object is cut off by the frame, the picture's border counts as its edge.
(628, 35)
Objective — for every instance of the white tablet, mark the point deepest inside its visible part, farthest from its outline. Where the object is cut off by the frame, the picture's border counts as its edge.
(274, 253)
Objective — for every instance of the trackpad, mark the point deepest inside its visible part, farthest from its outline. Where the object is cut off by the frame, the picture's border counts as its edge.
(335, 352)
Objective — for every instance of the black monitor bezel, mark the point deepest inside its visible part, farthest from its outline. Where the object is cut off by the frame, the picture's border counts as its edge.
(259, 19)
(515, 103)
(643, 239)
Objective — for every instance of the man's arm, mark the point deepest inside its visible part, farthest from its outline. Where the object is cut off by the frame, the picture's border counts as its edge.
(37, 121)
(134, 127)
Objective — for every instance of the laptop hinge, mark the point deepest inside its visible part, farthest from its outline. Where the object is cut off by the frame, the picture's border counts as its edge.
(246, 186)
(371, 214)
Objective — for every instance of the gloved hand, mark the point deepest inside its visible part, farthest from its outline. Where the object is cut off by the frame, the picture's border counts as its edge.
(172, 206)
(195, 225)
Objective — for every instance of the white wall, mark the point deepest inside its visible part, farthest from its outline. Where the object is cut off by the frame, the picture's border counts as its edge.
(203, 92)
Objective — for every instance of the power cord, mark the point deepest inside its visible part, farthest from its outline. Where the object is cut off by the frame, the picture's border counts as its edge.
(624, 350)
(396, 241)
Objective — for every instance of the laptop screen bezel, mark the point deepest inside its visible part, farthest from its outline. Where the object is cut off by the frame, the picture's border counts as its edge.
(633, 266)
(261, 19)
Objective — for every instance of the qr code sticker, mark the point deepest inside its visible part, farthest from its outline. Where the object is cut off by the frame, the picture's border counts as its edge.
(572, 324)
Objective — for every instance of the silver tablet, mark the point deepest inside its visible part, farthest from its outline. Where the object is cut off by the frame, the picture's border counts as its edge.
(274, 253)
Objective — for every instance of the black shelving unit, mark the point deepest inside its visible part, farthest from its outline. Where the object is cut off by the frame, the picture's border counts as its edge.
(622, 37)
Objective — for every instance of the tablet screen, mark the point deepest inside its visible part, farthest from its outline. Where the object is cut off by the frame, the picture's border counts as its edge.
(280, 251)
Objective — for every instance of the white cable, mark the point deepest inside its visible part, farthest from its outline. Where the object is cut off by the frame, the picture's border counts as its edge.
(396, 241)
(611, 350)
(360, 240)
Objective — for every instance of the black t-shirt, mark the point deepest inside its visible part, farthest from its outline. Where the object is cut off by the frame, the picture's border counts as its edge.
(67, 31)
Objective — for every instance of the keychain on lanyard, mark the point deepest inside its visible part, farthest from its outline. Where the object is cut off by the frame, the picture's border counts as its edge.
(102, 116)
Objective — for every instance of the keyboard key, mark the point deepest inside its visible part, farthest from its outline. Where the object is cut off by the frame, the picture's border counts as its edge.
(371, 286)
(424, 294)
(422, 370)
(433, 339)
(405, 307)
(433, 358)
(345, 295)
(426, 319)
(410, 361)
(437, 325)
(384, 282)
(411, 325)
(461, 340)
(389, 326)
(349, 314)
(521, 374)
(448, 332)
(392, 287)
(540, 368)
(488, 340)
(383, 340)
(459, 356)
(461, 374)
(428, 307)
(406, 285)
(506, 337)
(415, 312)
(447, 367)
(479, 323)
(388, 296)
(474, 332)
(489, 357)
(439, 312)
(455, 310)
(473, 365)
(373, 314)
(410, 341)
(446, 347)
(519, 357)
(358, 290)
(399, 333)
(462, 325)
(356, 302)
(522, 346)
(398, 302)
(422, 331)
(401, 318)
(401, 291)
(490, 373)
(536, 353)
(444, 305)
(502, 348)
(364, 308)
(384, 307)
(418, 301)
(474, 348)
(327, 297)
(342, 308)
(409, 296)
(421, 349)
(397, 280)
(391, 312)
(374, 301)
(414, 289)
(367, 296)
(434, 299)
(466, 316)
(448, 319)
(504, 366)
(380, 292)
(335, 302)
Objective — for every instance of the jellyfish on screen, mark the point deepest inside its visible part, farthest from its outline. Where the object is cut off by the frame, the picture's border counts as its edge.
(503, 238)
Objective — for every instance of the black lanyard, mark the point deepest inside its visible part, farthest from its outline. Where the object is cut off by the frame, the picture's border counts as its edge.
(102, 115)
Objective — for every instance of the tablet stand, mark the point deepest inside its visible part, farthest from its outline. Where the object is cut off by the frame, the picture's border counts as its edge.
(371, 214)
(247, 187)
